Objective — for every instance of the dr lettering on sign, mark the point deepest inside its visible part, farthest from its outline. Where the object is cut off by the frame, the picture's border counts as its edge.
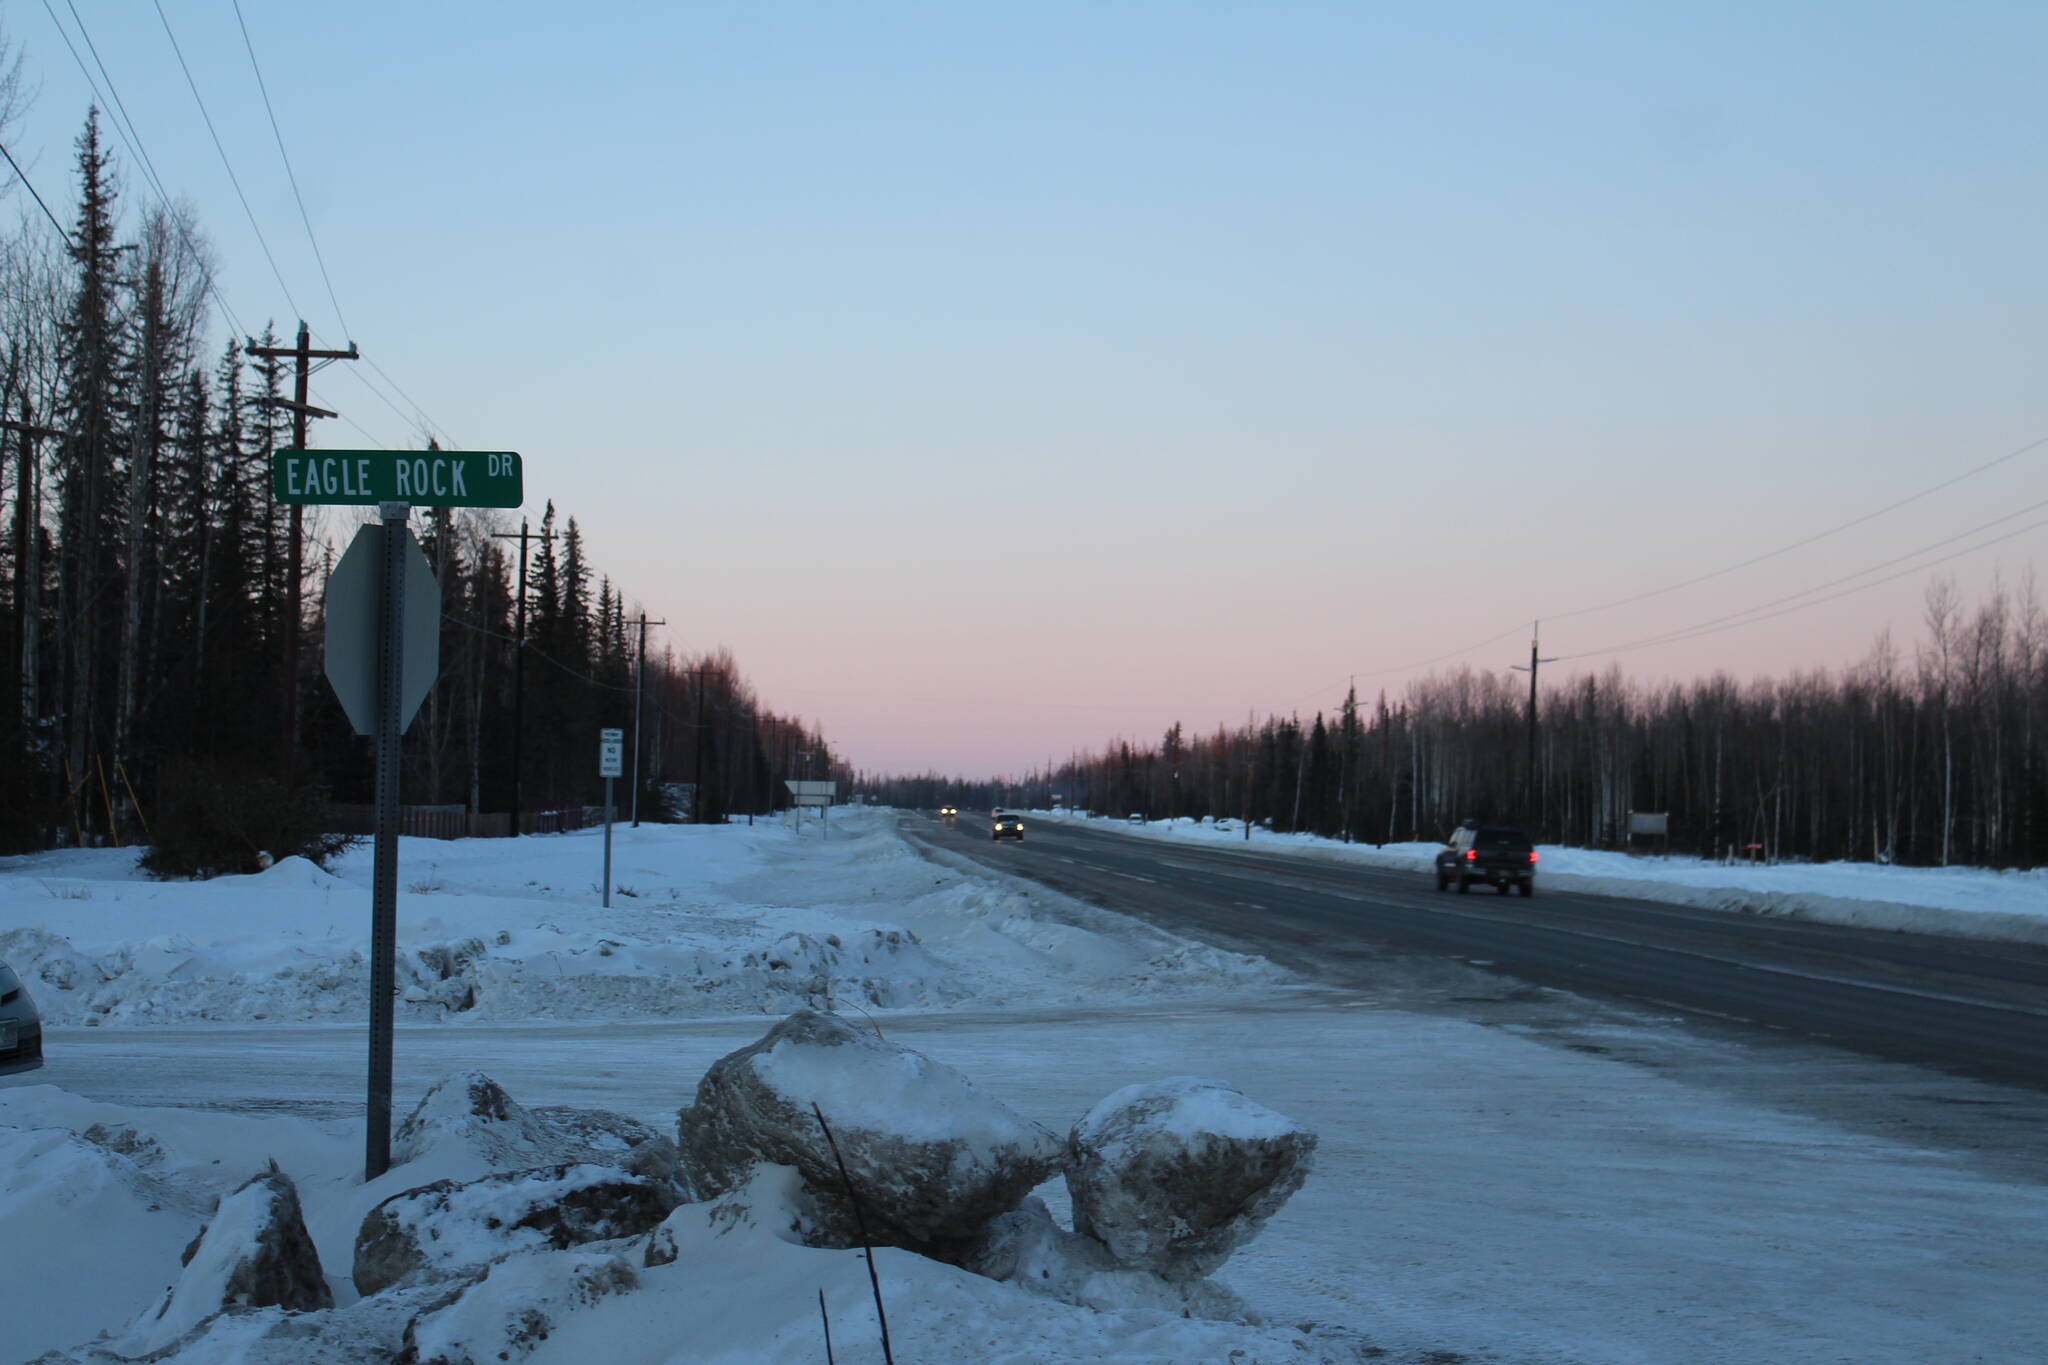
(432, 478)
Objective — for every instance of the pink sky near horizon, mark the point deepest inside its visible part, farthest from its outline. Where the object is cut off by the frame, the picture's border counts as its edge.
(979, 669)
(999, 380)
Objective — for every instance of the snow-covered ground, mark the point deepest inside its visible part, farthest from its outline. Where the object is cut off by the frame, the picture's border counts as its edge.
(1608, 1191)
(704, 921)
(1968, 902)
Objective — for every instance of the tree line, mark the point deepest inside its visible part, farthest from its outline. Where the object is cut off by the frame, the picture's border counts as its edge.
(1933, 759)
(148, 582)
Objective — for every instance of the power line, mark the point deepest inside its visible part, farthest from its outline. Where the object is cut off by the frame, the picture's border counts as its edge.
(418, 417)
(569, 669)
(424, 417)
(233, 179)
(357, 425)
(22, 176)
(1404, 668)
(132, 140)
(403, 415)
(1802, 543)
(2013, 454)
(116, 109)
(283, 155)
(1748, 616)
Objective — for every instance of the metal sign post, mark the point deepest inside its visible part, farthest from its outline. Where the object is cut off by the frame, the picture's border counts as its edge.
(611, 762)
(384, 883)
(383, 630)
(819, 794)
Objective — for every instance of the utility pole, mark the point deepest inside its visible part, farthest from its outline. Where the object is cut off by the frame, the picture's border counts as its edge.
(639, 671)
(1530, 790)
(28, 544)
(697, 797)
(301, 411)
(697, 740)
(1250, 743)
(519, 661)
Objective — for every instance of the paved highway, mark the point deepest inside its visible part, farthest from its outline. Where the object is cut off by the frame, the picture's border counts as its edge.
(1973, 1008)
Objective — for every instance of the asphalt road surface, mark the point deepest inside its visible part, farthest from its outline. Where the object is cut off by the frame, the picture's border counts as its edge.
(1976, 1009)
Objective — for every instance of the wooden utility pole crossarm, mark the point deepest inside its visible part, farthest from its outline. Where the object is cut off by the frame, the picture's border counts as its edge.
(302, 410)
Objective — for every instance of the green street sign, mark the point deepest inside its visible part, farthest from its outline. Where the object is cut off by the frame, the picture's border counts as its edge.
(425, 478)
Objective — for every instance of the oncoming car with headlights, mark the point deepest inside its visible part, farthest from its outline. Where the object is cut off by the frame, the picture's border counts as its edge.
(1008, 825)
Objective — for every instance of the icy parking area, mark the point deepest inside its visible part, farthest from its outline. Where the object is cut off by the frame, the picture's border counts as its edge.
(1967, 902)
(705, 921)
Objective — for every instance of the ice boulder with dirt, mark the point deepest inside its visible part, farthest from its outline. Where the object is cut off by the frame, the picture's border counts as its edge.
(1174, 1176)
(930, 1157)
(1027, 1248)
(254, 1253)
(773, 1200)
(451, 1228)
(514, 1307)
(469, 1113)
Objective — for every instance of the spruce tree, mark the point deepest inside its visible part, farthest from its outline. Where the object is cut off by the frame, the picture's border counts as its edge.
(92, 343)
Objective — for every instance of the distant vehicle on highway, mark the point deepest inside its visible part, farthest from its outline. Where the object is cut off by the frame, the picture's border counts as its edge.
(948, 812)
(1500, 855)
(1134, 818)
(1008, 827)
(21, 1028)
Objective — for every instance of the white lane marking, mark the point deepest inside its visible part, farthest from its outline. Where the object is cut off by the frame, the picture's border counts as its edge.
(1154, 881)
(1831, 978)
(1712, 1014)
(1796, 973)
(1249, 905)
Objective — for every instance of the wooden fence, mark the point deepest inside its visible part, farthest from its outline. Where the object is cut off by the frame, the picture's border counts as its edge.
(459, 822)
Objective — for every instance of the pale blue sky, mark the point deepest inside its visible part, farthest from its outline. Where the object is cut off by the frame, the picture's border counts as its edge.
(995, 379)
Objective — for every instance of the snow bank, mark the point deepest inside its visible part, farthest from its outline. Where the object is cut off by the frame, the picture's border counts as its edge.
(1965, 902)
(705, 922)
(724, 1289)
(56, 1289)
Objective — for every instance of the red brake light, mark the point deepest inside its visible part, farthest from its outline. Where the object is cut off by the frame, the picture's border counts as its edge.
(1532, 855)
(1471, 855)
